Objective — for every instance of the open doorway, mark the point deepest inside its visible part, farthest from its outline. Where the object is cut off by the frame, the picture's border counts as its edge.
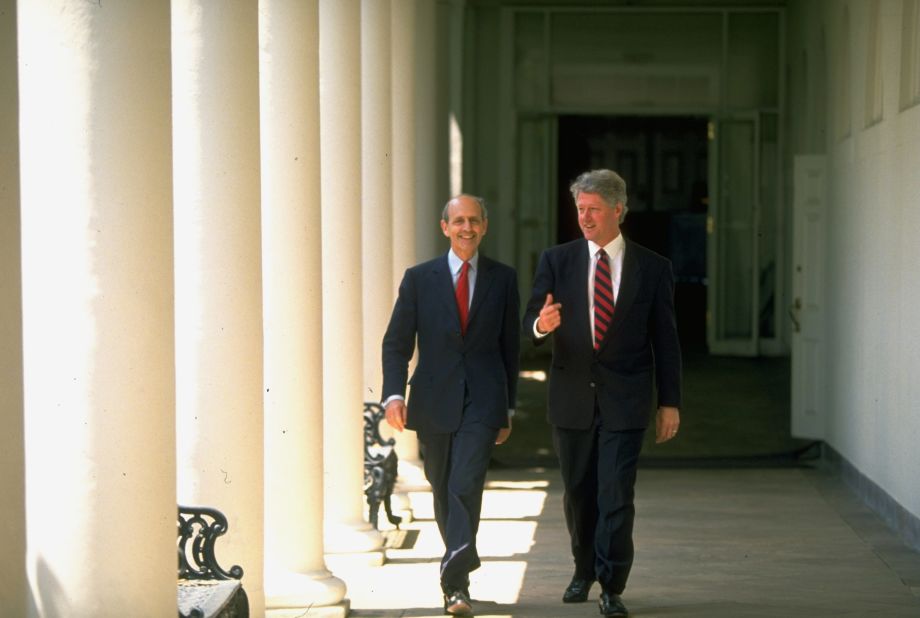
(736, 406)
(664, 161)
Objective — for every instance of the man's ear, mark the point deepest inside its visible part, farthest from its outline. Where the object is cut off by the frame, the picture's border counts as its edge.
(444, 228)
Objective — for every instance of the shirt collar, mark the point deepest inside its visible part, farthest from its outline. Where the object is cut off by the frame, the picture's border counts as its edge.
(455, 263)
(613, 248)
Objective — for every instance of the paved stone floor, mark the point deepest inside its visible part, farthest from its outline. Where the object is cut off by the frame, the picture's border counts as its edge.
(733, 520)
(787, 541)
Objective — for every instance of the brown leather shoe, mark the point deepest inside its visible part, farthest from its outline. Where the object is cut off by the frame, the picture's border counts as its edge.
(457, 603)
(577, 591)
(610, 604)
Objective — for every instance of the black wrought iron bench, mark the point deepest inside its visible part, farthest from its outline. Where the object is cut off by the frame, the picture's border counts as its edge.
(380, 465)
(205, 589)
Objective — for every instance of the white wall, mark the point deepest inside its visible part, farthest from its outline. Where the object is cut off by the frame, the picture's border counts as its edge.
(873, 334)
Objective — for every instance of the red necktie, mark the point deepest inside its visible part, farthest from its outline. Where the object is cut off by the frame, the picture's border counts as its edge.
(603, 298)
(463, 295)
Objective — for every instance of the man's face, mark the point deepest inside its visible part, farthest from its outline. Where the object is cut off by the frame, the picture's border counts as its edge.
(464, 226)
(597, 219)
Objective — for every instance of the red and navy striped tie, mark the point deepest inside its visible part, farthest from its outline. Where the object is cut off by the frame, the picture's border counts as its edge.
(603, 298)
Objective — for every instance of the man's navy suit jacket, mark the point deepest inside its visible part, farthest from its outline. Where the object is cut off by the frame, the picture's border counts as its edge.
(641, 347)
(483, 363)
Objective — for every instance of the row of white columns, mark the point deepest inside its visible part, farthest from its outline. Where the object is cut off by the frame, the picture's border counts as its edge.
(217, 201)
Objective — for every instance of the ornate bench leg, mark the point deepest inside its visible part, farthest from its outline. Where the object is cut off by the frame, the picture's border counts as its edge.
(375, 493)
(380, 466)
(394, 519)
(373, 511)
(391, 467)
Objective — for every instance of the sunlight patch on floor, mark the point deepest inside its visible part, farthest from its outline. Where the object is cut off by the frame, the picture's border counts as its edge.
(499, 582)
(503, 539)
(538, 484)
(512, 504)
(536, 376)
(410, 578)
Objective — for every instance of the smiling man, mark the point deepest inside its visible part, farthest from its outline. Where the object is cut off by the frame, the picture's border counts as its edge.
(461, 310)
(608, 305)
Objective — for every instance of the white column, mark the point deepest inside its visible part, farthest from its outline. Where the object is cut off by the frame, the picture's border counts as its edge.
(403, 33)
(453, 35)
(218, 273)
(404, 136)
(295, 569)
(377, 208)
(431, 160)
(13, 584)
(99, 373)
(343, 354)
(377, 187)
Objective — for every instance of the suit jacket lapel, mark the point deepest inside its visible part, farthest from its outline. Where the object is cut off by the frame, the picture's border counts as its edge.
(483, 281)
(443, 282)
(630, 279)
(579, 280)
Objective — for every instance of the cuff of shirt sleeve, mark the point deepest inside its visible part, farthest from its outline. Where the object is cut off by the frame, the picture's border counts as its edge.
(537, 333)
(387, 401)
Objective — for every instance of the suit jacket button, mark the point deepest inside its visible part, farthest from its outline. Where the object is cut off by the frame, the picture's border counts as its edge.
(592, 384)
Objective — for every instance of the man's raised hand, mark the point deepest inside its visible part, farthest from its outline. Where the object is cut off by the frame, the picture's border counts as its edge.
(550, 316)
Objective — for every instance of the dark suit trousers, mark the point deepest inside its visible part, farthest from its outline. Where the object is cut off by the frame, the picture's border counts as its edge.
(599, 474)
(455, 465)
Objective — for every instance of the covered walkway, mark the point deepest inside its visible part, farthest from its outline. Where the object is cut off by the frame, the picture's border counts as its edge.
(782, 541)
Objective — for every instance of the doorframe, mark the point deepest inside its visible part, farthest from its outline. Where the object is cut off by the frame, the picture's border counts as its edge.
(731, 347)
(511, 112)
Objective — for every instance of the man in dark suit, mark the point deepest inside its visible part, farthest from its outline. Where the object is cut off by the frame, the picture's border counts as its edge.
(462, 311)
(607, 304)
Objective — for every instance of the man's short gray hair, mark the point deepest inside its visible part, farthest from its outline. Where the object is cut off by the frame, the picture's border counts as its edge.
(606, 183)
(445, 216)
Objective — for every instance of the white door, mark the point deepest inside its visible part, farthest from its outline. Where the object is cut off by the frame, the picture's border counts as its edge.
(732, 250)
(807, 309)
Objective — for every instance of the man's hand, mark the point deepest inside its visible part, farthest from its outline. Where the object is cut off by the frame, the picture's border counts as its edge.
(550, 317)
(503, 433)
(666, 423)
(396, 414)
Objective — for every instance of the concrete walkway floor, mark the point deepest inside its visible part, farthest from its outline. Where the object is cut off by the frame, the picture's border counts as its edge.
(709, 542)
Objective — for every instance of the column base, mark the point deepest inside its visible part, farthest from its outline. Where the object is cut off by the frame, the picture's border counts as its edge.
(340, 610)
(353, 546)
(349, 562)
(287, 589)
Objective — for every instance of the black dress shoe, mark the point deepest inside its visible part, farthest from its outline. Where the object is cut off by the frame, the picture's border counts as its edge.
(457, 603)
(577, 592)
(610, 604)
